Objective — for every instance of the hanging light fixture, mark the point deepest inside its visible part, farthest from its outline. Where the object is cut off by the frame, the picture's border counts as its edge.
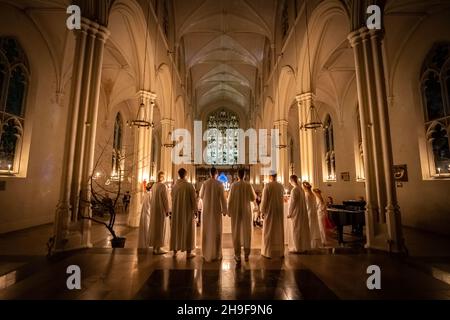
(140, 121)
(312, 117)
(141, 118)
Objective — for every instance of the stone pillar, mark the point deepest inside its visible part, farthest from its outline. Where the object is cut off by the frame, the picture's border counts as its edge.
(142, 157)
(309, 157)
(71, 231)
(383, 223)
(392, 209)
(148, 98)
(282, 150)
(167, 127)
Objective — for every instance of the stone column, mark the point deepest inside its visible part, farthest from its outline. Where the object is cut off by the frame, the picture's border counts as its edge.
(71, 231)
(142, 156)
(383, 223)
(167, 127)
(309, 158)
(282, 150)
(148, 98)
(392, 209)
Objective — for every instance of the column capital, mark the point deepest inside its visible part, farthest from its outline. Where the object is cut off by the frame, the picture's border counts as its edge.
(147, 96)
(94, 29)
(169, 122)
(357, 36)
(307, 96)
(280, 123)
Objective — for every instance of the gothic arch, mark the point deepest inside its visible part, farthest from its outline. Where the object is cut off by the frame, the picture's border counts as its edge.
(285, 93)
(320, 21)
(165, 91)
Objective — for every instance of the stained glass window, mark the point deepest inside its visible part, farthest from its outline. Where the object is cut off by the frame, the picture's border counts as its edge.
(436, 101)
(285, 19)
(330, 164)
(14, 78)
(360, 174)
(16, 91)
(11, 135)
(222, 138)
(165, 20)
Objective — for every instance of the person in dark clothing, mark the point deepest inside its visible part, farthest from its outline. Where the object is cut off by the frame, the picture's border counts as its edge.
(126, 200)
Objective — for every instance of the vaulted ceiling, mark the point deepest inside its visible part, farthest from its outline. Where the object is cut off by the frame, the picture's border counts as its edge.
(224, 43)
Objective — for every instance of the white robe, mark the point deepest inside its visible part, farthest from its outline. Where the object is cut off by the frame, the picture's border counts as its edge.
(272, 204)
(212, 194)
(321, 214)
(313, 220)
(159, 208)
(144, 224)
(299, 236)
(239, 209)
(184, 205)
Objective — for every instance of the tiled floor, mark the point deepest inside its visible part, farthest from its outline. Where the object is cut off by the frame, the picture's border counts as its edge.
(138, 274)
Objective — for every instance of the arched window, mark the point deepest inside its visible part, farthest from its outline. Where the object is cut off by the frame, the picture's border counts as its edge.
(14, 80)
(330, 163)
(360, 166)
(435, 85)
(165, 18)
(117, 154)
(285, 19)
(222, 138)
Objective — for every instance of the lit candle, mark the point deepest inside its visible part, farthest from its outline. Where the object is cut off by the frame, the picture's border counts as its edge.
(9, 168)
(439, 171)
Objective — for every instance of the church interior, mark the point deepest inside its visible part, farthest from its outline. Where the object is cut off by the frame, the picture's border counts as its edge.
(89, 116)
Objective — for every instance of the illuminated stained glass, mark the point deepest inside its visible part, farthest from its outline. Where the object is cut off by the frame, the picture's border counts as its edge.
(436, 101)
(222, 138)
(14, 77)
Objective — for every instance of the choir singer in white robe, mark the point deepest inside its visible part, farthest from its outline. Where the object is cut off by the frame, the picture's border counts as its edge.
(144, 224)
(272, 204)
(159, 210)
(184, 206)
(239, 209)
(300, 240)
(312, 215)
(212, 194)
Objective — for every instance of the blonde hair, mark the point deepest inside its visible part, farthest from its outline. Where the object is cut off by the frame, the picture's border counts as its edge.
(307, 187)
(160, 174)
(318, 195)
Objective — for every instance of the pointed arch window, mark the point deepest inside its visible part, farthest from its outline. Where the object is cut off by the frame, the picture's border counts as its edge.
(165, 18)
(330, 163)
(360, 165)
(14, 82)
(118, 154)
(285, 19)
(222, 138)
(435, 86)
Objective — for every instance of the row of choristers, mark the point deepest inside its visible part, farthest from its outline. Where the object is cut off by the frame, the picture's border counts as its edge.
(306, 225)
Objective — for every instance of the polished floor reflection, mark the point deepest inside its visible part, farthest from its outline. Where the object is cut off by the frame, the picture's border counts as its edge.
(332, 273)
(131, 274)
(238, 284)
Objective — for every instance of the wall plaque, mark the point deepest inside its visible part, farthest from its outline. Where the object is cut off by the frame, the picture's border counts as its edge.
(401, 172)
